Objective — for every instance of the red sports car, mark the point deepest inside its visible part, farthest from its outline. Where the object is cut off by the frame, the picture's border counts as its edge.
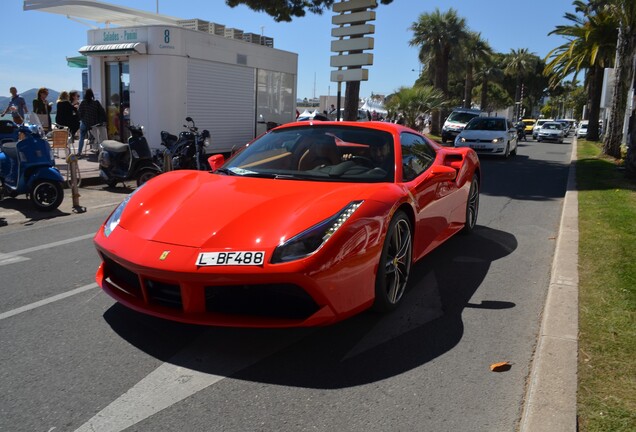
(308, 224)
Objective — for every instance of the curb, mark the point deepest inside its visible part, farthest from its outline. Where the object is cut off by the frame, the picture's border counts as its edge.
(550, 402)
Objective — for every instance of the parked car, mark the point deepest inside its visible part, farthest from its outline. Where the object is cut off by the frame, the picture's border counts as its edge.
(537, 126)
(581, 132)
(551, 131)
(568, 125)
(456, 122)
(310, 223)
(494, 135)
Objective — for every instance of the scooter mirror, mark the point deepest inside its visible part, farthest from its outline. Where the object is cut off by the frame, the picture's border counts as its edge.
(216, 161)
(189, 119)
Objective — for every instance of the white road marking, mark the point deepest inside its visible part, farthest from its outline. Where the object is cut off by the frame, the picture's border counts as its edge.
(170, 384)
(46, 301)
(13, 257)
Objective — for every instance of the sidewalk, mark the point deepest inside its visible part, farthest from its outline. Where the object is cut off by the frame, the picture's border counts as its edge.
(89, 168)
(550, 403)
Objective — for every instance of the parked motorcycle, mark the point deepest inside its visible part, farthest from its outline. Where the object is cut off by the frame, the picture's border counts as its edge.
(186, 151)
(119, 162)
(27, 167)
(521, 131)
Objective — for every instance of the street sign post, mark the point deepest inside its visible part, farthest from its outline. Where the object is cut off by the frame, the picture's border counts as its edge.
(351, 31)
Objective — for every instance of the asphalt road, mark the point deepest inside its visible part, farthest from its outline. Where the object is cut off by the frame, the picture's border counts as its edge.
(74, 360)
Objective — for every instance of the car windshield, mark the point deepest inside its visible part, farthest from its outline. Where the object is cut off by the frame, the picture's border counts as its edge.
(319, 153)
(461, 117)
(487, 124)
(553, 126)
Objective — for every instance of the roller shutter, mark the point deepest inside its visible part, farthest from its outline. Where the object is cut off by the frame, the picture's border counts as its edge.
(221, 98)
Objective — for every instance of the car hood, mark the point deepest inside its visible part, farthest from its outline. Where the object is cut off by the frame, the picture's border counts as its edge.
(200, 209)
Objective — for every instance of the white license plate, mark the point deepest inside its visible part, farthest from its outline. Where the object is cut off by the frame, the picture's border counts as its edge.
(239, 258)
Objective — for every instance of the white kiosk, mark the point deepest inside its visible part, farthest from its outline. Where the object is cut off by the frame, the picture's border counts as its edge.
(158, 74)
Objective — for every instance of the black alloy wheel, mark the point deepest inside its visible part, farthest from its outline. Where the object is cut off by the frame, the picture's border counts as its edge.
(472, 207)
(395, 264)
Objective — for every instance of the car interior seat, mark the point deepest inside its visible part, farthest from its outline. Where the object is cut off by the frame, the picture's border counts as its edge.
(319, 150)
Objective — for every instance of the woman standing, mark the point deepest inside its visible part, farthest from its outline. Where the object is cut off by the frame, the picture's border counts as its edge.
(67, 113)
(90, 112)
(42, 107)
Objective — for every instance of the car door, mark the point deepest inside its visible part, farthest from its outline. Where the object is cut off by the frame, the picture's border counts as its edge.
(434, 197)
(512, 135)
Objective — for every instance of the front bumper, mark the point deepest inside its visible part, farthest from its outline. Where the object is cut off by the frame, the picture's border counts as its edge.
(302, 293)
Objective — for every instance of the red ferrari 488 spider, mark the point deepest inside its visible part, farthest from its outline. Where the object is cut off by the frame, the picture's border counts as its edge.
(306, 225)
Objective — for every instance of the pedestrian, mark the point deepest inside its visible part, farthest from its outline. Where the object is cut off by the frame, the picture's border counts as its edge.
(42, 107)
(17, 107)
(67, 113)
(91, 113)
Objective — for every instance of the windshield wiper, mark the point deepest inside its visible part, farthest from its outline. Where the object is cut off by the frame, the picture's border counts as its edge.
(225, 171)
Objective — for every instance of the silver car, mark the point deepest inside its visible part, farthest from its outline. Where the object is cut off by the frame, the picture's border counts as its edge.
(551, 131)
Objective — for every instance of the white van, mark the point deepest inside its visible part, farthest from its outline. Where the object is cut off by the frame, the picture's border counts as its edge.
(457, 121)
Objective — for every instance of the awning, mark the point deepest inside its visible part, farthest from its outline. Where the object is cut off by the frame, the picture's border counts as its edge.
(77, 62)
(114, 49)
(99, 12)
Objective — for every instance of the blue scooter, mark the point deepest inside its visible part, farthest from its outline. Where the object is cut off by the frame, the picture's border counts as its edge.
(8, 131)
(27, 167)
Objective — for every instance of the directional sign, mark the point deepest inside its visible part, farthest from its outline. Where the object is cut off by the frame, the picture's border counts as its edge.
(350, 75)
(351, 28)
(363, 59)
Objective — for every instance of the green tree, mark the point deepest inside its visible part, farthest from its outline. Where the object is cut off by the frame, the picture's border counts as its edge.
(591, 45)
(476, 51)
(489, 72)
(519, 64)
(624, 11)
(437, 34)
(413, 101)
(286, 10)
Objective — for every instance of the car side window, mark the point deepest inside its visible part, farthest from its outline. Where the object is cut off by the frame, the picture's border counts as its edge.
(417, 155)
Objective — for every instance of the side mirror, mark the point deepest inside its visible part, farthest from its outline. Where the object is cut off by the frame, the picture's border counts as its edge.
(443, 173)
(216, 161)
(189, 119)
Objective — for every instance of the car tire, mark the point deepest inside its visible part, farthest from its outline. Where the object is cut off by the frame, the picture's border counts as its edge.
(472, 207)
(513, 152)
(507, 151)
(395, 264)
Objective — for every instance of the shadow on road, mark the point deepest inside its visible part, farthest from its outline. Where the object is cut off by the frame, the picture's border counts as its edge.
(363, 349)
(30, 213)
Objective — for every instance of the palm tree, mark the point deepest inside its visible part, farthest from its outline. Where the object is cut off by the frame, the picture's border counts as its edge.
(476, 50)
(437, 34)
(519, 63)
(624, 11)
(591, 42)
(413, 101)
(488, 72)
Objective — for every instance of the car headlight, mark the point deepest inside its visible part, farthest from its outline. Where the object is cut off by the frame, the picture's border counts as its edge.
(115, 217)
(498, 140)
(310, 240)
(462, 139)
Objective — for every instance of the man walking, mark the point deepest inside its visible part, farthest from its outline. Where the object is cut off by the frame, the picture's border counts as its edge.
(17, 106)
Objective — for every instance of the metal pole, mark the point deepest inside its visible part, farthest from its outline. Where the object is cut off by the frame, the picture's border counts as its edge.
(338, 102)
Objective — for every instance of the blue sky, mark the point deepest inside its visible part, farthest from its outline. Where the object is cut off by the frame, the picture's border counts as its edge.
(35, 44)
